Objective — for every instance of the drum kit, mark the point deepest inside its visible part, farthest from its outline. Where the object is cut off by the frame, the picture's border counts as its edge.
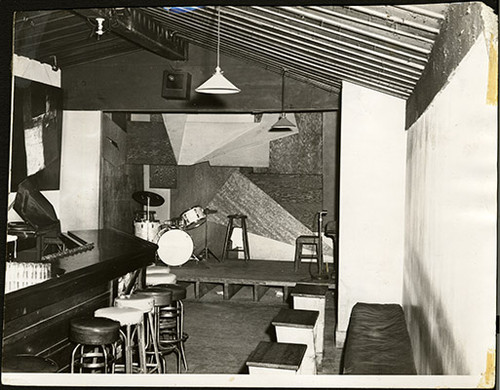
(175, 245)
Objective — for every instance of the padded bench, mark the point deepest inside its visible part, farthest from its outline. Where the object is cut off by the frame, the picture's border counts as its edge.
(377, 341)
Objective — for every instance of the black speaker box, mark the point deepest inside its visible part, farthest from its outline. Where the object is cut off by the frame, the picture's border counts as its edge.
(176, 85)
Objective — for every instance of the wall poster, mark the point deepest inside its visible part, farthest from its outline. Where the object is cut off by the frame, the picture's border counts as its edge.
(36, 136)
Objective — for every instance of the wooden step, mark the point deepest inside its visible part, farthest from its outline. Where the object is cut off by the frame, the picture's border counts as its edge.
(276, 356)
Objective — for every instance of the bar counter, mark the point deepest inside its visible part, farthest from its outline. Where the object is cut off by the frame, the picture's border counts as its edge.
(36, 318)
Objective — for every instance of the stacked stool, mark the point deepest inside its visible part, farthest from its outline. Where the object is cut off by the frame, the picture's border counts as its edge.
(229, 231)
(169, 320)
(96, 339)
(158, 274)
(129, 312)
(300, 242)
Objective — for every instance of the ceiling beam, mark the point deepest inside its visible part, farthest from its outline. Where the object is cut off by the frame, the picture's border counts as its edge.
(138, 28)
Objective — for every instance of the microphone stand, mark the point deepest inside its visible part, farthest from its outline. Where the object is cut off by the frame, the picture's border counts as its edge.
(322, 275)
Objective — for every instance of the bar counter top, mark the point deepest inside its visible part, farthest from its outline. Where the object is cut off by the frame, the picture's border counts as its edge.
(36, 317)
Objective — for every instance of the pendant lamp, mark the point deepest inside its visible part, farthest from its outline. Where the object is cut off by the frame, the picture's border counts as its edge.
(283, 124)
(218, 84)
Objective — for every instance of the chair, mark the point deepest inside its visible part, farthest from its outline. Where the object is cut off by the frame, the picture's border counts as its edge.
(302, 241)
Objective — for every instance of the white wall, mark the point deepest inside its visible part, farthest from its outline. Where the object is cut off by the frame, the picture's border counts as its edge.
(42, 73)
(372, 185)
(80, 170)
(450, 251)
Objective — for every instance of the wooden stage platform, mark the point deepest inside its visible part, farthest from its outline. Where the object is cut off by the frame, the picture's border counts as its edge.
(234, 274)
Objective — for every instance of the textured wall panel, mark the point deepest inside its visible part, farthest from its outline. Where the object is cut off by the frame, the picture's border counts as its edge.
(265, 216)
(300, 195)
(163, 176)
(301, 153)
(148, 143)
(197, 185)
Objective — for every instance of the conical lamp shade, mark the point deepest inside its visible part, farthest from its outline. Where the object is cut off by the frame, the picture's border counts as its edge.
(282, 124)
(217, 84)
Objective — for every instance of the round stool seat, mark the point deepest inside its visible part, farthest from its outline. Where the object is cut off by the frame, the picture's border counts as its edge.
(160, 278)
(28, 363)
(161, 296)
(124, 315)
(94, 331)
(178, 292)
(137, 301)
(157, 269)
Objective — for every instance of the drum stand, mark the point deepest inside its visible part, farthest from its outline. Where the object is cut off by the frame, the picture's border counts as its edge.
(205, 253)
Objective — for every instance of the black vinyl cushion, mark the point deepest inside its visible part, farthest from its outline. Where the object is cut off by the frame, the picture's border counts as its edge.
(94, 330)
(377, 341)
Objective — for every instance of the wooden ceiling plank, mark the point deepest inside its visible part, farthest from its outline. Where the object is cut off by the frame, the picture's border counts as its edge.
(300, 43)
(375, 26)
(312, 63)
(298, 47)
(352, 29)
(422, 10)
(374, 46)
(378, 13)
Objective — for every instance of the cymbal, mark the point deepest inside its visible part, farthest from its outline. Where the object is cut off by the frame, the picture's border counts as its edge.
(143, 196)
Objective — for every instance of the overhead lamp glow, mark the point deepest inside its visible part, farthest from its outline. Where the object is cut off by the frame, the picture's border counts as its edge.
(283, 124)
(218, 84)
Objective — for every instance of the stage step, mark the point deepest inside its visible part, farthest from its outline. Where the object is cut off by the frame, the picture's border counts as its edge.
(276, 358)
(313, 298)
(298, 327)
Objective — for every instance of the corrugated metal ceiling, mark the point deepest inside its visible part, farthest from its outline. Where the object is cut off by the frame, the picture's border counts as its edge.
(381, 47)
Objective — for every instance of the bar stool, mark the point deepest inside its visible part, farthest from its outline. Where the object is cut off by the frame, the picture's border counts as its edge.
(171, 335)
(229, 231)
(145, 303)
(299, 244)
(133, 321)
(162, 298)
(159, 275)
(96, 340)
(28, 363)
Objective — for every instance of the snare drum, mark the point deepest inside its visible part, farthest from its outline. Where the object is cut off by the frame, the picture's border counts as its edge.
(175, 246)
(147, 230)
(193, 217)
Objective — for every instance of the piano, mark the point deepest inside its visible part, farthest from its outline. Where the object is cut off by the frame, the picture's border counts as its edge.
(39, 235)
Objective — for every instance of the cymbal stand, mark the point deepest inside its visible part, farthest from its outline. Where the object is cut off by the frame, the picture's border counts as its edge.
(206, 252)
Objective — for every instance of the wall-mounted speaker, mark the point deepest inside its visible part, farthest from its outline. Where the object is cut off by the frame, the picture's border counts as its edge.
(176, 85)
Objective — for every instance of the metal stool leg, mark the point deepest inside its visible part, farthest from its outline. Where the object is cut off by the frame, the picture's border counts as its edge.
(229, 230)
(246, 250)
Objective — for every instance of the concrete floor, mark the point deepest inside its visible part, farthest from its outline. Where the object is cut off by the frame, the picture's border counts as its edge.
(223, 333)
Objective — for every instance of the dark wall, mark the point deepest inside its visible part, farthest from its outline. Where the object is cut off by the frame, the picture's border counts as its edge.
(133, 82)
(118, 180)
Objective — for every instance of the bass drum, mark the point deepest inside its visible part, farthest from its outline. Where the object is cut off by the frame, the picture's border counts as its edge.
(175, 246)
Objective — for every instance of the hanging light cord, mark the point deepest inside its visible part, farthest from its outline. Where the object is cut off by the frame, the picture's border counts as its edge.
(218, 37)
(283, 92)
